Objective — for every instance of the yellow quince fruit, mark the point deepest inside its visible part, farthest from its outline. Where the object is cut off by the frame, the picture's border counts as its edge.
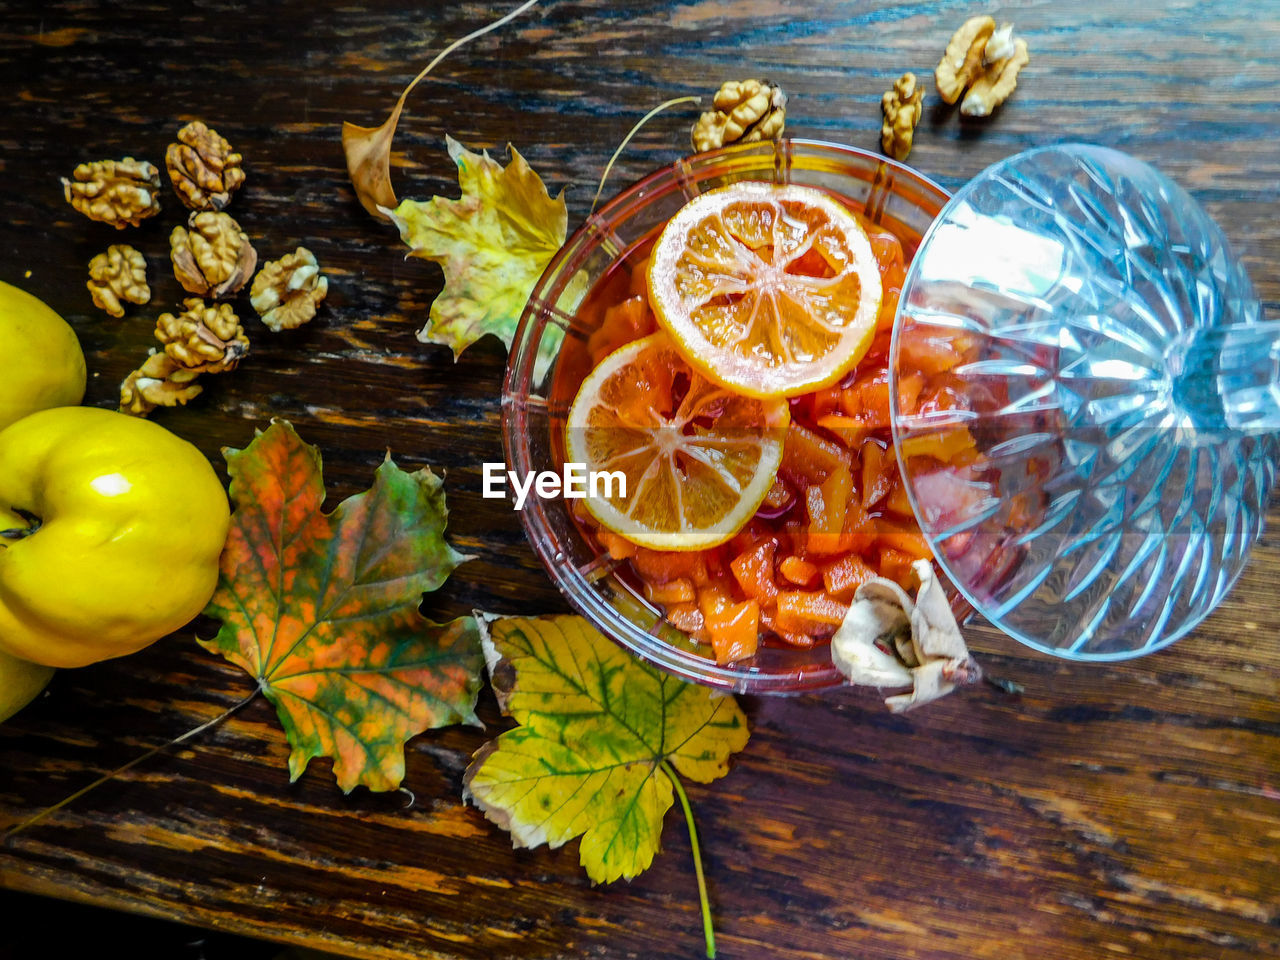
(44, 366)
(110, 533)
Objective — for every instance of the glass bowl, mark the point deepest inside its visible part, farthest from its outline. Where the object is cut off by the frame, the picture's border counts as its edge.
(885, 192)
(1119, 386)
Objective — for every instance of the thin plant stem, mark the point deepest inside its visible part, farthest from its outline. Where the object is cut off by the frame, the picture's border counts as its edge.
(708, 929)
(474, 34)
(627, 139)
(30, 821)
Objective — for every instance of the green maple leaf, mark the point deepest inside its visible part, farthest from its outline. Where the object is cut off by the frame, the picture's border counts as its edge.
(493, 244)
(600, 733)
(322, 609)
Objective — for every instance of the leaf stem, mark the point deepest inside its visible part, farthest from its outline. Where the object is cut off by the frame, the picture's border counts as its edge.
(708, 928)
(473, 35)
(31, 821)
(627, 139)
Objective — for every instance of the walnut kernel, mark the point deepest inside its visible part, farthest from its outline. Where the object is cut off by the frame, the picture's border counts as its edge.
(159, 382)
(204, 338)
(213, 258)
(901, 107)
(204, 169)
(962, 61)
(745, 111)
(119, 274)
(1000, 46)
(119, 192)
(287, 291)
(996, 83)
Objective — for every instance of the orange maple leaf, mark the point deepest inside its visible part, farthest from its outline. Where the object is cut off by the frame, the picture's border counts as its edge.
(322, 609)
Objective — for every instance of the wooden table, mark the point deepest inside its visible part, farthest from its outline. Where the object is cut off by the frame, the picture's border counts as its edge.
(1131, 809)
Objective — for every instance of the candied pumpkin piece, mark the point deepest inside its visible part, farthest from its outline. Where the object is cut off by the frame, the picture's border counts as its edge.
(909, 387)
(663, 566)
(945, 445)
(808, 456)
(896, 566)
(930, 350)
(814, 606)
(800, 572)
(715, 598)
(753, 569)
(842, 577)
(673, 591)
(879, 469)
(617, 546)
(828, 505)
(623, 322)
(779, 498)
(888, 253)
(910, 542)
(792, 638)
(848, 429)
(896, 501)
(688, 618)
(735, 631)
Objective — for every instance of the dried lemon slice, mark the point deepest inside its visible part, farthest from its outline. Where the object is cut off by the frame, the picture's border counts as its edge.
(770, 290)
(697, 459)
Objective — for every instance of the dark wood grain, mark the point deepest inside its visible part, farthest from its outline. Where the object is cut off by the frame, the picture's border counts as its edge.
(1131, 809)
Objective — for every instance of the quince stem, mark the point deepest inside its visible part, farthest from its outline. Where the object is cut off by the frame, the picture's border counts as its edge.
(17, 533)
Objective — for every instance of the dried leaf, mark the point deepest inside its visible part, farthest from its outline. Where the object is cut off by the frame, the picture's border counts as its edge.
(493, 244)
(599, 734)
(368, 149)
(889, 640)
(322, 609)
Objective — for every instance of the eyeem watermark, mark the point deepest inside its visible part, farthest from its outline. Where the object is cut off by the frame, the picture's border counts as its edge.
(574, 482)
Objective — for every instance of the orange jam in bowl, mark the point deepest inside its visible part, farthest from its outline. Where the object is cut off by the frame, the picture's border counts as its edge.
(754, 611)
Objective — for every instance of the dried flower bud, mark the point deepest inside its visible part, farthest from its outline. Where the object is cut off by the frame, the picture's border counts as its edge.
(213, 258)
(287, 291)
(204, 169)
(119, 192)
(119, 274)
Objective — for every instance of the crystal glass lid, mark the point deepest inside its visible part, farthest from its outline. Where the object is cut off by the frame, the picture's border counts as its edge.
(1084, 402)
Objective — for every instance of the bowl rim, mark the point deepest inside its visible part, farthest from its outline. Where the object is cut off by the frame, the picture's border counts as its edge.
(888, 176)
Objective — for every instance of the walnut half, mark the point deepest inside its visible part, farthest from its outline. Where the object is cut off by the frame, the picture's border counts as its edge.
(119, 274)
(983, 60)
(119, 192)
(212, 257)
(745, 111)
(159, 382)
(996, 83)
(962, 61)
(901, 107)
(203, 338)
(287, 291)
(204, 169)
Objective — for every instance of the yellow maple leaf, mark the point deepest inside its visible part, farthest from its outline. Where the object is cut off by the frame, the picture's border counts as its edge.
(601, 737)
(492, 243)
